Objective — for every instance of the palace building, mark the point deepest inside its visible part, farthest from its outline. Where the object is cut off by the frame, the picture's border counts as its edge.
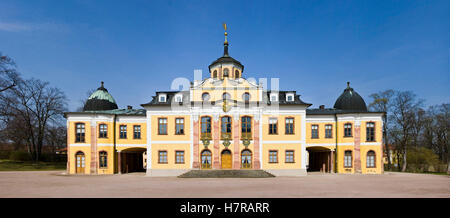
(224, 122)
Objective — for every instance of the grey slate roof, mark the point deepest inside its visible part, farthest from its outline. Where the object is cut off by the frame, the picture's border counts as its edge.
(121, 112)
(350, 100)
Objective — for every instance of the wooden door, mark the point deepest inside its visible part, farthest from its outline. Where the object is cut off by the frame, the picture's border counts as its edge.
(226, 159)
(80, 162)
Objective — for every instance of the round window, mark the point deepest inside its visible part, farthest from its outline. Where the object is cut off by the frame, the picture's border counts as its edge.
(246, 96)
(205, 96)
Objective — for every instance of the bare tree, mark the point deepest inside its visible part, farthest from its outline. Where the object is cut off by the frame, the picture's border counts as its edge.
(8, 74)
(37, 107)
(405, 105)
(382, 101)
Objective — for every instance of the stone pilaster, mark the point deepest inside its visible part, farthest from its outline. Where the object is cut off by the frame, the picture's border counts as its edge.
(94, 152)
(357, 149)
(256, 146)
(195, 163)
(216, 163)
(236, 153)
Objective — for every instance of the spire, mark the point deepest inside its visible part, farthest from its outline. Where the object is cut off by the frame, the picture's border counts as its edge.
(102, 84)
(225, 44)
(348, 84)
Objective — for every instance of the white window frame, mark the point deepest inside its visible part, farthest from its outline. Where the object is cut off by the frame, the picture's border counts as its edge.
(179, 96)
(290, 95)
(162, 96)
(274, 95)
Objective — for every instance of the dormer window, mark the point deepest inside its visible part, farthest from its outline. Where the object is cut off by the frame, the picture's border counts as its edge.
(290, 97)
(162, 97)
(179, 98)
(273, 97)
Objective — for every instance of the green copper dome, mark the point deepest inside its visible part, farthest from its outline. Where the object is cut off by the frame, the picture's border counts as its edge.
(100, 100)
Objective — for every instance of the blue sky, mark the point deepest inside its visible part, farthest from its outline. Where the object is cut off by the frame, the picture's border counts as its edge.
(314, 47)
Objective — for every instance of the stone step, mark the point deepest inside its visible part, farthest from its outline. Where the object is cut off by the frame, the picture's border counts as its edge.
(226, 174)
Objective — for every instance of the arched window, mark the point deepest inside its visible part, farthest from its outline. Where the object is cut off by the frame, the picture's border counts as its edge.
(215, 74)
(348, 159)
(246, 127)
(236, 74)
(226, 127)
(103, 156)
(225, 72)
(370, 160)
(226, 96)
(246, 96)
(246, 159)
(205, 96)
(206, 127)
(206, 159)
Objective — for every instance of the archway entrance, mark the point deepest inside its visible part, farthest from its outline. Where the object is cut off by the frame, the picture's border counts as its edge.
(319, 159)
(226, 159)
(246, 162)
(132, 160)
(80, 162)
(206, 159)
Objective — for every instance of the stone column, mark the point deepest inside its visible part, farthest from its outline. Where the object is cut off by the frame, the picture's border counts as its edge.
(357, 148)
(119, 162)
(256, 147)
(216, 163)
(195, 163)
(236, 153)
(93, 164)
(68, 149)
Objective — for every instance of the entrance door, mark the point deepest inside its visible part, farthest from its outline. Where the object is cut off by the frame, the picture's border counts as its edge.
(226, 159)
(206, 159)
(246, 159)
(80, 162)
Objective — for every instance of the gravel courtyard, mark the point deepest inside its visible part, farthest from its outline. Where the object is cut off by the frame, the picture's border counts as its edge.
(54, 184)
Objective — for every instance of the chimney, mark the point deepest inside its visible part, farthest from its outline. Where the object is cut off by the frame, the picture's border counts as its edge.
(321, 107)
(129, 107)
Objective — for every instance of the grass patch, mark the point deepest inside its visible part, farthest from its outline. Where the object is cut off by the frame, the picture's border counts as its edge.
(434, 173)
(9, 165)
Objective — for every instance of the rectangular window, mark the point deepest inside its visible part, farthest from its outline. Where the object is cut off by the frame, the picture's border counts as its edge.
(123, 131)
(79, 132)
(348, 130)
(315, 131)
(179, 157)
(162, 157)
(179, 126)
(348, 159)
(162, 126)
(102, 131)
(370, 132)
(273, 126)
(246, 127)
(328, 131)
(273, 156)
(103, 163)
(289, 126)
(137, 132)
(289, 156)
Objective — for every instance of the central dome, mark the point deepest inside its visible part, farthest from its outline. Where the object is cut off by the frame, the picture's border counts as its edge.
(100, 100)
(350, 100)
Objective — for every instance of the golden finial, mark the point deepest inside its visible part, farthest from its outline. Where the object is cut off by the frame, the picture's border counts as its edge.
(226, 34)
